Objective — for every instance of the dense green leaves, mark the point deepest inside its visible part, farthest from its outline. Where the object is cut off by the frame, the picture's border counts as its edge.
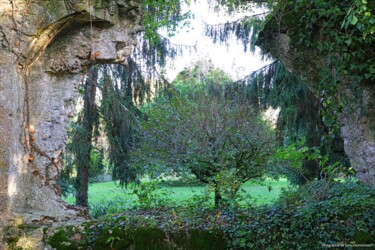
(338, 38)
(314, 216)
(202, 131)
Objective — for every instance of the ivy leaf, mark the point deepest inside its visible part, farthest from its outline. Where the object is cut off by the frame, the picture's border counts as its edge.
(349, 41)
(353, 19)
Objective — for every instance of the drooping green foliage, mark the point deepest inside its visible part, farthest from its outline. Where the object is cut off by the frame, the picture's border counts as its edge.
(151, 58)
(120, 115)
(80, 148)
(250, 18)
(117, 89)
(161, 14)
(245, 30)
(299, 120)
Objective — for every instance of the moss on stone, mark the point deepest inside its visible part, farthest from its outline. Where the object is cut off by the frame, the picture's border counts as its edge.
(27, 227)
(61, 241)
(11, 236)
(115, 238)
(139, 238)
(149, 238)
(206, 240)
(153, 238)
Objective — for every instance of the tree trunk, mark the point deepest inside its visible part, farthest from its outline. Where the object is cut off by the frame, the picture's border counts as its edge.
(81, 186)
(218, 197)
(85, 141)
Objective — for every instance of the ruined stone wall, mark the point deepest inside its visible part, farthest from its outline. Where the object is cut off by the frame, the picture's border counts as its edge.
(358, 131)
(46, 47)
(356, 120)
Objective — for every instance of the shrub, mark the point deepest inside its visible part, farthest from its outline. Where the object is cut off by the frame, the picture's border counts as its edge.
(311, 217)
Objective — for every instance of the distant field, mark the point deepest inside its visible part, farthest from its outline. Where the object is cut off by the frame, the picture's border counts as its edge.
(109, 191)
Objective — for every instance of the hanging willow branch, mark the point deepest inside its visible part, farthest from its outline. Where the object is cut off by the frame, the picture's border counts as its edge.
(256, 86)
(299, 117)
(152, 58)
(119, 89)
(245, 30)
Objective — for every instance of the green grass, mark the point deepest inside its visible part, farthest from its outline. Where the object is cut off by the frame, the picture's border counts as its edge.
(264, 192)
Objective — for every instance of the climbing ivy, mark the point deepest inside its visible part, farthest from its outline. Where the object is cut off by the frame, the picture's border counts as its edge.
(343, 33)
(300, 117)
(337, 40)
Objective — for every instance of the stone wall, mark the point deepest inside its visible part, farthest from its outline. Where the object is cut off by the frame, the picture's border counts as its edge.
(358, 131)
(46, 47)
(357, 119)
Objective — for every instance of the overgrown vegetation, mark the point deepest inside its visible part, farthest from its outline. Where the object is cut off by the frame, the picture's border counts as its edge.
(207, 126)
(203, 131)
(318, 215)
(340, 32)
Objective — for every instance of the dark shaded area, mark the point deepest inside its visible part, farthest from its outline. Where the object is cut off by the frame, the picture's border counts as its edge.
(145, 239)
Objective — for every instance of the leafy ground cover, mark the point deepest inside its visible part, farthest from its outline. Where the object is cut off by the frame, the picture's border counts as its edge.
(319, 215)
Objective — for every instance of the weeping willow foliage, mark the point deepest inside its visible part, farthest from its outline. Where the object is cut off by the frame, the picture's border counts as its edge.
(299, 118)
(82, 134)
(245, 30)
(121, 88)
(161, 14)
(151, 58)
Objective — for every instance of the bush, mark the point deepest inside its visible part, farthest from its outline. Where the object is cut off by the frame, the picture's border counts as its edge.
(316, 215)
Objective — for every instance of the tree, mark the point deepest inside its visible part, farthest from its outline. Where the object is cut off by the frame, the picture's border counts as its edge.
(299, 120)
(82, 151)
(121, 88)
(108, 111)
(222, 141)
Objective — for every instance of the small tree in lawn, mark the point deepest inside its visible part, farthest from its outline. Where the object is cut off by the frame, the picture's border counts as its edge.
(221, 140)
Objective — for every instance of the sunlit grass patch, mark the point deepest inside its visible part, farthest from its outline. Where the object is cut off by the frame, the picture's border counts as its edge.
(263, 192)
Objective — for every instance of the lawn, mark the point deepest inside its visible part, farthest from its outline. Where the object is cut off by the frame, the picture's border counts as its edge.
(264, 192)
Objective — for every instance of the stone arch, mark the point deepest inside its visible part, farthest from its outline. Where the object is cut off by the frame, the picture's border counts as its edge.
(45, 49)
